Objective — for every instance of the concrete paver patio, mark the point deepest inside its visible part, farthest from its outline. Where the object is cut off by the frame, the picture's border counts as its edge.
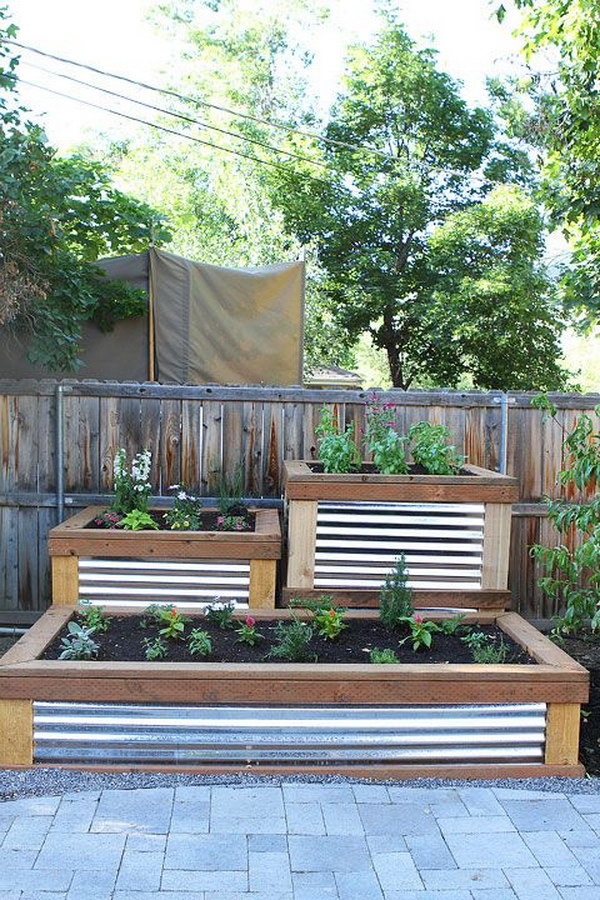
(301, 842)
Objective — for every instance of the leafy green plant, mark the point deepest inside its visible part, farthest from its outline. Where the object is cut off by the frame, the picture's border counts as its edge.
(485, 649)
(199, 643)
(156, 648)
(571, 578)
(151, 615)
(329, 622)
(131, 483)
(233, 523)
(292, 642)
(186, 511)
(173, 623)
(451, 626)
(337, 451)
(137, 520)
(231, 491)
(431, 450)
(108, 519)
(93, 618)
(78, 643)
(396, 598)
(247, 633)
(220, 613)
(421, 632)
(383, 657)
(382, 440)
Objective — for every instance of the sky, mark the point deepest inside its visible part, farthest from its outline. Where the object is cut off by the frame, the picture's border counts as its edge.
(120, 36)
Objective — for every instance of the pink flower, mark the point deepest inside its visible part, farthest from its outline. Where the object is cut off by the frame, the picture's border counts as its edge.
(250, 622)
(418, 618)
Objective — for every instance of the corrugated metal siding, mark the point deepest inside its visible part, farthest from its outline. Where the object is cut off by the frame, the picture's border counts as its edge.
(112, 733)
(137, 583)
(358, 544)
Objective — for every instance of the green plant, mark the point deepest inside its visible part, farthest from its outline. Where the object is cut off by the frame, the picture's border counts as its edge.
(571, 570)
(421, 632)
(383, 657)
(220, 613)
(337, 451)
(247, 633)
(173, 623)
(199, 643)
(137, 520)
(329, 622)
(233, 523)
(395, 598)
(186, 511)
(451, 626)
(156, 648)
(231, 491)
(484, 649)
(93, 617)
(381, 439)
(292, 641)
(108, 519)
(431, 450)
(151, 615)
(131, 483)
(78, 643)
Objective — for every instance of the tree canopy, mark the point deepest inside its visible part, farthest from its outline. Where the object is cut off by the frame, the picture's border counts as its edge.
(58, 215)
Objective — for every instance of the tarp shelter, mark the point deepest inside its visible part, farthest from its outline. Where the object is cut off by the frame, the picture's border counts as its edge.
(204, 324)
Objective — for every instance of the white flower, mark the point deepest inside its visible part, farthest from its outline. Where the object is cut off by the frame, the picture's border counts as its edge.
(182, 495)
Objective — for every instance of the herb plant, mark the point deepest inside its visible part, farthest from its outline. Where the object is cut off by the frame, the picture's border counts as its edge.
(231, 491)
(382, 440)
(396, 598)
(79, 643)
(151, 615)
(383, 657)
(131, 483)
(337, 451)
(431, 450)
(137, 520)
(571, 576)
(199, 643)
(93, 618)
(156, 648)
(451, 626)
(292, 642)
(485, 649)
(220, 613)
(185, 513)
(247, 633)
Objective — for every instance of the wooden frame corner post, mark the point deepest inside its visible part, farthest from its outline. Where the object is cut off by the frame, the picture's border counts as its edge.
(496, 546)
(302, 533)
(562, 734)
(263, 579)
(65, 580)
(16, 733)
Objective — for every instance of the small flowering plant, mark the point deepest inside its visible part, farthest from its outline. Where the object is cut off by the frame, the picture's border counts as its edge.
(382, 440)
(173, 623)
(247, 633)
(329, 622)
(233, 523)
(220, 613)
(108, 519)
(185, 513)
(131, 482)
(421, 632)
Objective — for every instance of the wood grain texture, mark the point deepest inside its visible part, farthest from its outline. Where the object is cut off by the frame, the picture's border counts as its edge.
(263, 578)
(16, 733)
(65, 580)
(302, 533)
(562, 734)
(496, 546)
(369, 599)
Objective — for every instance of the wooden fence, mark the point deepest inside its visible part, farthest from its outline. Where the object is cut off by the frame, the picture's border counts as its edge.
(196, 433)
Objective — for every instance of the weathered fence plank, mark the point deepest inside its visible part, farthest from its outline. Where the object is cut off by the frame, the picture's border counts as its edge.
(198, 432)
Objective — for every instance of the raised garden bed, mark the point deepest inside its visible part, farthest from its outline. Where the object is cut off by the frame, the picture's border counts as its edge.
(399, 720)
(135, 568)
(345, 532)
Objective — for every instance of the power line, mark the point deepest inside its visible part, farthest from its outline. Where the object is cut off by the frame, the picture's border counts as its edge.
(230, 112)
(187, 137)
(177, 115)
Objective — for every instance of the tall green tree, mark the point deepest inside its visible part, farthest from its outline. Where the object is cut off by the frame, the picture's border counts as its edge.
(58, 215)
(425, 155)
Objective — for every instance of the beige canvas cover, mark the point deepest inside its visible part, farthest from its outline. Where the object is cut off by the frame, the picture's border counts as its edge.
(227, 326)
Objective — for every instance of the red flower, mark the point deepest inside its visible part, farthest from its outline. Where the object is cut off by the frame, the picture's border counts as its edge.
(418, 618)
(250, 622)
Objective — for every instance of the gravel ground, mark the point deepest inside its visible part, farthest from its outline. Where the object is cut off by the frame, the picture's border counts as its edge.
(46, 782)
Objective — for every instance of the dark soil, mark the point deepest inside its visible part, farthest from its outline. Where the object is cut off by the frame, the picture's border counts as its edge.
(123, 642)
(586, 650)
(371, 469)
(208, 521)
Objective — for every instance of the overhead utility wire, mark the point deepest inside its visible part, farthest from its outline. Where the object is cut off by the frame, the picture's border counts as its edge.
(177, 115)
(187, 137)
(230, 112)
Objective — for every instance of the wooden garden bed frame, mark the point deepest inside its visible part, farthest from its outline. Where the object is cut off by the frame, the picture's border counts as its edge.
(71, 541)
(305, 489)
(556, 680)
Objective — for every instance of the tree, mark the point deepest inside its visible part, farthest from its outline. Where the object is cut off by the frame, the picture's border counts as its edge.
(561, 41)
(496, 299)
(425, 156)
(58, 215)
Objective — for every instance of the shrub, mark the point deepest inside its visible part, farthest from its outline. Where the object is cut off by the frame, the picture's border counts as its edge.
(396, 598)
